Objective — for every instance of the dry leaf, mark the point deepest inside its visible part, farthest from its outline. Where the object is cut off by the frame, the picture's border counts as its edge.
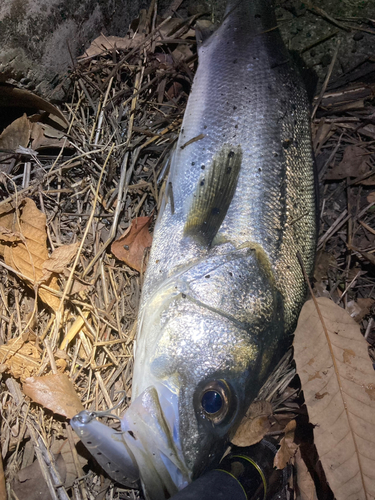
(29, 483)
(21, 98)
(305, 483)
(55, 392)
(3, 489)
(45, 136)
(103, 43)
(181, 53)
(255, 424)
(16, 134)
(130, 247)
(7, 218)
(21, 359)
(353, 164)
(60, 259)
(29, 254)
(324, 261)
(133, 39)
(62, 446)
(371, 197)
(287, 448)
(358, 310)
(344, 418)
(366, 255)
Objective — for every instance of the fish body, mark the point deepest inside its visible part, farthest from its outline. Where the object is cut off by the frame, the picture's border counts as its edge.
(223, 287)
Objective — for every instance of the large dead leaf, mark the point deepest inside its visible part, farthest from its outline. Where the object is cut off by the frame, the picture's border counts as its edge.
(133, 38)
(62, 447)
(305, 483)
(55, 392)
(103, 43)
(287, 448)
(338, 382)
(60, 259)
(21, 98)
(358, 310)
(255, 424)
(3, 489)
(353, 164)
(21, 359)
(29, 252)
(130, 247)
(29, 483)
(45, 136)
(16, 134)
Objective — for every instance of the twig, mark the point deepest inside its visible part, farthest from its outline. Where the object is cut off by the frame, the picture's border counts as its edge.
(122, 191)
(327, 78)
(325, 15)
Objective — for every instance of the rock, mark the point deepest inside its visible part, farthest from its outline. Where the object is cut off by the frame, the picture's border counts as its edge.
(39, 38)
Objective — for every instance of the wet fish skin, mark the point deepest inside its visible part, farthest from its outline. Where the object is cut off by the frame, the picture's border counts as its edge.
(224, 287)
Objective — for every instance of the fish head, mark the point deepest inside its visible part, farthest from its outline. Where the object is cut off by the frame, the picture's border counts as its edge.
(211, 335)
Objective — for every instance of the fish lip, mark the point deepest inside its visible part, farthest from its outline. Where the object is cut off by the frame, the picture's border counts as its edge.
(151, 431)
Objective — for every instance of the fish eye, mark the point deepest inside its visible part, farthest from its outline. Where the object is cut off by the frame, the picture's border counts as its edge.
(214, 400)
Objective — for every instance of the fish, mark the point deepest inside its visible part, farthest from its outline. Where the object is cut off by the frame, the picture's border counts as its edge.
(224, 285)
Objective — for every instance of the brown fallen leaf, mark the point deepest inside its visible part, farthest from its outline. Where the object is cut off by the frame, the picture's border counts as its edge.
(45, 136)
(62, 446)
(29, 483)
(353, 164)
(21, 359)
(60, 259)
(3, 489)
(358, 310)
(133, 38)
(103, 43)
(306, 487)
(338, 381)
(371, 197)
(324, 261)
(182, 52)
(130, 247)
(24, 99)
(7, 218)
(27, 256)
(55, 392)
(255, 424)
(287, 448)
(366, 255)
(16, 134)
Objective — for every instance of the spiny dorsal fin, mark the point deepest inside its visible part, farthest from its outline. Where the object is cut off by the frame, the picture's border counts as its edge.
(214, 194)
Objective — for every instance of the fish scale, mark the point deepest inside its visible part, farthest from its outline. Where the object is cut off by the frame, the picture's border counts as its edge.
(223, 286)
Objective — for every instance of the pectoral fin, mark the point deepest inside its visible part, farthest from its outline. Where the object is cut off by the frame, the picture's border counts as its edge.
(214, 194)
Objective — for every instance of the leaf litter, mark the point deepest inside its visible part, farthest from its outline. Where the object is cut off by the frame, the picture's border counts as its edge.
(132, 245)
(79, 192)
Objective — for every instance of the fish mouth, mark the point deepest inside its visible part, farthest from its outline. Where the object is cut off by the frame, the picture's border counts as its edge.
(151, 430)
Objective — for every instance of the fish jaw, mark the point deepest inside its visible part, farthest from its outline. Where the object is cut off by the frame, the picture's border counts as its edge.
(151, 431)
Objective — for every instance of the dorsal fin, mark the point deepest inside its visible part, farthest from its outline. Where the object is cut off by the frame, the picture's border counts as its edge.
(214, 194)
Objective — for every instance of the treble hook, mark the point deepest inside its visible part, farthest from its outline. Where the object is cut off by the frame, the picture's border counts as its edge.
(107, 413)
